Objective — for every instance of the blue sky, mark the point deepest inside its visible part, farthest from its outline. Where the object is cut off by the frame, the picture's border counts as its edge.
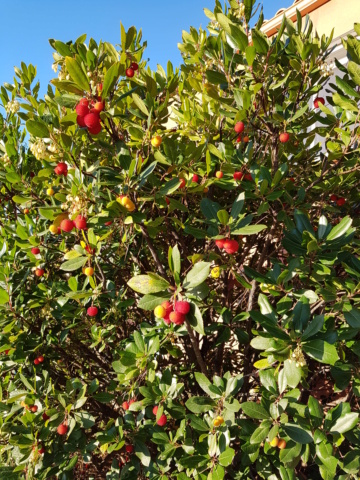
(28, 24)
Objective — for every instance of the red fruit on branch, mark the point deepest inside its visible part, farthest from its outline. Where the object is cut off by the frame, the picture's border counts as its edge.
(220, 243)
(319, 100)
(80, 222)
(239, 127)
(35, 251)
(182, 182)
(155, 410)
(284, 137)
(238, 175)
(39, 272)
(231, 246)
(96, 129)
(33, 408)
(182, 307)
(129, 448)
(177, 318)
(129, 72)
(340, 201)
(219, 174)
(125, 405)
(82, 109)
(195, 178)
(40, 358)
(67, 225)
(92, 119)
(134, 66)
(333, 197)
(61, 169)
(248, 177)
(92, 311)
(45, 417)
(62, 429)
(162, 420)
(80, 121)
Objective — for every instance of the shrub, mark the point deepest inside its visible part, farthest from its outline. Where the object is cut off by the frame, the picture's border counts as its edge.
(117, 209)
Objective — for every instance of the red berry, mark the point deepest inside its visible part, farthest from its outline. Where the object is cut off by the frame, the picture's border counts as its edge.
(167, 319)
(231, 246)
(39, 272)
(155, 410)
(32, 174)
(318, 100)
(182, 307)
(82, 109)
(238, 175)
(61, 169)
(129, 448)
(168, 306)
(125, 406)
(340, 201)
(41, 450)
(238, 139)
(333, 198)
(96, 129)
(195, 178)
(67, 225)
(33, 408)
(80, 222)
(130, 72)
(162, 420)
(284, 137)
(35, 251)
(36, 361)
(239, 127)
(108, 223)
(167, 200)
(84, 101)
(133, 400)
(99, 106)
(92, 119)
(92, 311)
(62, 429)
(248, 177)
(89, 249)
(80, 121)
(134, 66)
(220, 243)
(40, 359)
(219, 174)
(45, 417)
(182, 182)
(177, 318)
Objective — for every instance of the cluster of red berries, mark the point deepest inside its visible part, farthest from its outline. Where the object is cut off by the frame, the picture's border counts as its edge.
(38, 360)
(89, 117)
(230, 246)
(126, 405)
(241, 175)
(130, 72)
(340, 201)
(162, 419)
(173, 314)
(61, 169)
(67, 225)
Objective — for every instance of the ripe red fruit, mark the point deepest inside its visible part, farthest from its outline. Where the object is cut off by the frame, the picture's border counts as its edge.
(248, 177)
(167, 200)
(284, 137)
(168, 306)
(238, 175)
(318, 100)
(108, 223)
(36, 361)
(219, 174)
(41, 359)
(239, 127)
(33, 408)
(195, 178)
(61, 169)
(35, 251)
(129, 72)
(134, 66)
(80, 121)
(82, 109)
(45, 417)
(91, 120)
(182, 182)
(80, 222)
(39, 272)
(125, 406)
(41, 450)
(340, 201)
(333, 198)
(92, 311)
(89, 249)
(62, 429)
(99, 106)
(238, 140)
(166, 319)
(32, 174)
(231, 246)
(129, 448)
(220, 243)
(182, 307)
(162, 420)
(133, 400)
(84, 101)
(96, 129)
(155, 410)
(67, 225)
(177, 318)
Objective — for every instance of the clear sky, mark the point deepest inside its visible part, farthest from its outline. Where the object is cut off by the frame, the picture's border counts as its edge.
(27, 25)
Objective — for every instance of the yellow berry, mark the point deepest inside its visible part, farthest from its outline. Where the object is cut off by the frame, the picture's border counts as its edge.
(159, 312)
(274, 442)
(156, 141)
(127, 203)
(50, 191)
(89, 271)
(53, 229)
(218, 421)
(215, 272)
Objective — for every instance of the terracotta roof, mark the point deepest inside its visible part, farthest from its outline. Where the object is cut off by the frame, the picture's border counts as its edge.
(270, 27)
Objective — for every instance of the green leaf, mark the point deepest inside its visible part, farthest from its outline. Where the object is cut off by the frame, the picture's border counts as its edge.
(345, 423)
(321, 351)
(195, 319)
(21, 200)
(250, 52)
(73, 264)
(4, 296)
(260, 41)
(249, 230)
(104, 397)
(148, 284)
(340, 229)
(237, 205)
(200, 404)
(354, 71)
(314, 327)
(223, 217)
(226, 457)
(255, 410)
(140, 104)
(297, 433)
(198, 274)
(149, 302)
(353, 318)
(261, 432)
(301, 314)
(77, 73)
(292, 373)
(142, 452)
(110, 79)
(176, 259)
(169, 187)
(37, 128)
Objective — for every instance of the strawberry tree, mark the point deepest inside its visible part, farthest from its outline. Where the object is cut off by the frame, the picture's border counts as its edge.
(179, 275)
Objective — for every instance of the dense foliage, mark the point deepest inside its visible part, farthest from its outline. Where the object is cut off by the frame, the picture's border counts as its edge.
(221, 191)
